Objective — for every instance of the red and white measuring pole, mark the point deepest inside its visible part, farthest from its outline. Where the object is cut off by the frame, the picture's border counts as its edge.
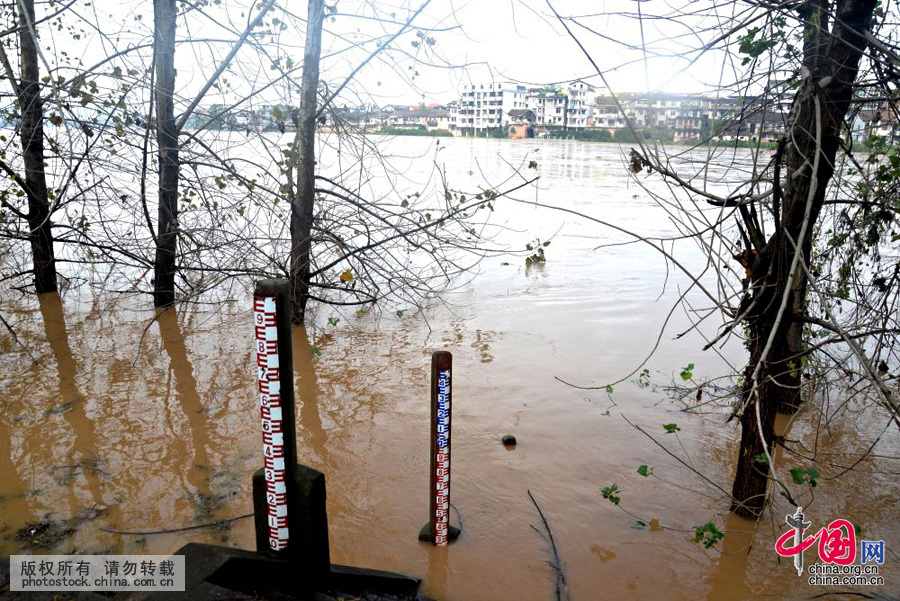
(276, 404)
(272, 419)
(438, 530)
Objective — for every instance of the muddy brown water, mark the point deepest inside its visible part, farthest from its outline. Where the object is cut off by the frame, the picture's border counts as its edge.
(117, 417)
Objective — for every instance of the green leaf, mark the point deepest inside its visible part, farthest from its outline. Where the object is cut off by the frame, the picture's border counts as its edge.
(400, 312)
(792, 366)
(610, 493)
(671, 428)
(315, 351)
(708, 534)
(761, 459)
(687, 372)
(644, 470)
(609, 389)
(805, 475)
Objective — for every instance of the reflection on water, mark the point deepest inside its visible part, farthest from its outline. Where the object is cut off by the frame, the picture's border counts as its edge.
(14, 487)
(310, 431)
(730, 575)
(82, 462)
(438, 572)
(189, 408)
(153, 417)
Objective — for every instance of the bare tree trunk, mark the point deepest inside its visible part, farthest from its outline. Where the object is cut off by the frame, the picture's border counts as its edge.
(32, 136)
(820, 106)
(164, 21)
(303, 195)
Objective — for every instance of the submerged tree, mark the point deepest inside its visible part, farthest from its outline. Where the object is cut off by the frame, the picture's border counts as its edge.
(793, 224)
(301, 190)
(774, 305)
(171, 186)
(26, 87)
(165, 16)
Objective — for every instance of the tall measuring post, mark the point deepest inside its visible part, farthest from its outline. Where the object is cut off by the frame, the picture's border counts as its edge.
(288, 499)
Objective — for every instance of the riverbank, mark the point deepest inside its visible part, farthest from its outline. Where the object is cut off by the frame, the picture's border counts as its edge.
(598, 136)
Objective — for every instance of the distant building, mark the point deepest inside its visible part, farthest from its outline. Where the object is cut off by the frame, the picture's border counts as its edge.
(581, 104)
(754, 125)
(436, 118)
(881, 122)
(395, 116)
(484, 107)
(689, 117)
(558, 107)
(521, 124)
(549, 106)
(508, 109)
(606, 114)
(522, 117)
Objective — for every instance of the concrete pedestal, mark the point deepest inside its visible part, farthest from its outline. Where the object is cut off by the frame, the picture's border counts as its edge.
(307, 523)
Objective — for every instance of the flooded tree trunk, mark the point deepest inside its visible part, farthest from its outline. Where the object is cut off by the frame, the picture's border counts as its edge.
(774, 387)
(814, 132)
(31, 131)
(164, 21)
(303, 194)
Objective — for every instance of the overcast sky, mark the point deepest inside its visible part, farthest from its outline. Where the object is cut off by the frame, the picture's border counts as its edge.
(474, 41)
(523, 41)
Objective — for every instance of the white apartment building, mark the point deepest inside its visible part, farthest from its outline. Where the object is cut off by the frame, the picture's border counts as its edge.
(549, 106)
(688, 116)
(486, 106)
(569, 107)
(581, 104)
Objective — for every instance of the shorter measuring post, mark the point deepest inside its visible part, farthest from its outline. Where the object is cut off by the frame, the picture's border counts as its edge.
(438, 529)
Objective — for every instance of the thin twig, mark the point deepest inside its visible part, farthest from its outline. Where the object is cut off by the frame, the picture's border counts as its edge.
(185, 528)
(562, 588)
(16, 338)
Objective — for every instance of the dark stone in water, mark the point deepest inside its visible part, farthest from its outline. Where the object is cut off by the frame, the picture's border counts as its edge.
(509, 440)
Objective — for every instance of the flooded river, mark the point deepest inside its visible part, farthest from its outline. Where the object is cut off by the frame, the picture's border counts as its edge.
(118, 418)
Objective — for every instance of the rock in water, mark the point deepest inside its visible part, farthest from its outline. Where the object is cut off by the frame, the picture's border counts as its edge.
(509, 440)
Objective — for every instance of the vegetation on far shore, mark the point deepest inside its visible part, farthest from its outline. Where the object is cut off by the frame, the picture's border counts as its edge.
(421, 130)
